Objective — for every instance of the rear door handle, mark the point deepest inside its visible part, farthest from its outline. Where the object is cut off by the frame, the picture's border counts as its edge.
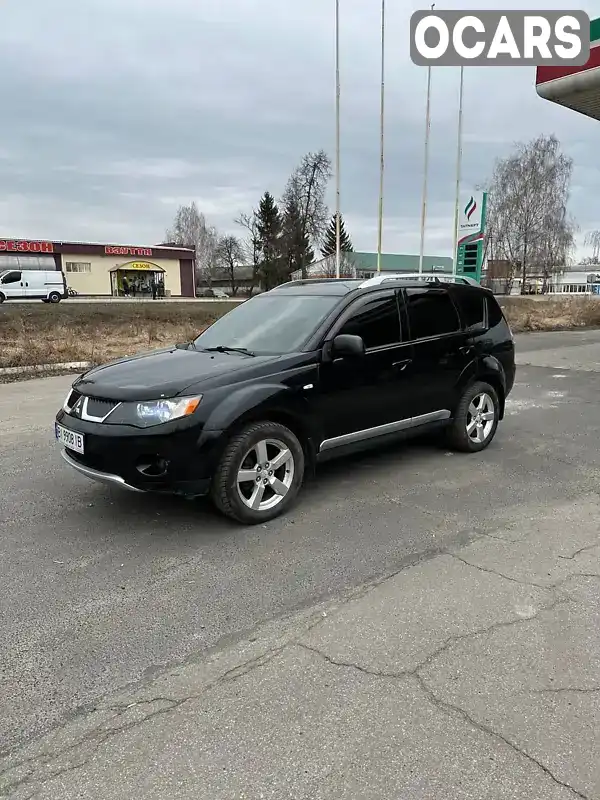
(466, 349)
(402, 364)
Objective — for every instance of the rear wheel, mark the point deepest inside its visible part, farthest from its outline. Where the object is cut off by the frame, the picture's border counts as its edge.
(259, 474)
(54, 297)
(2, 297)
(475, 419)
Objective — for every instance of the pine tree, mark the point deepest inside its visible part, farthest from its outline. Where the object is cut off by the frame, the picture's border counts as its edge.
(269, 241)
(329, 242)
(296, 245)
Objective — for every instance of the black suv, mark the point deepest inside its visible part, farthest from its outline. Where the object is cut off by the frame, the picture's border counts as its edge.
(307, 371)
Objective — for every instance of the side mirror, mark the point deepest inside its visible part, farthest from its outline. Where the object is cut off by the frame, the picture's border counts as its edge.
(349, 346)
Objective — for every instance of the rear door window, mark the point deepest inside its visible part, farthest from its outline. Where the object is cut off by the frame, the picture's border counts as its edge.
(431, 312)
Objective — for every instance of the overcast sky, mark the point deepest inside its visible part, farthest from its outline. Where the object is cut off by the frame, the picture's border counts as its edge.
(114, 112)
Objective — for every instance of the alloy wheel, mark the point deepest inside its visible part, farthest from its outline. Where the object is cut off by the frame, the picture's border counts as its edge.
(265, 475)
(481, 416)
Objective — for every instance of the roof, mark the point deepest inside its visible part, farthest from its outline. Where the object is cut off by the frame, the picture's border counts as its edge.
(47, 246)
(577, 88)
(338, 287)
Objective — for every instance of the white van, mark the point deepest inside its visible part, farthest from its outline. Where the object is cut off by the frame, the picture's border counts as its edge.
(49, 286)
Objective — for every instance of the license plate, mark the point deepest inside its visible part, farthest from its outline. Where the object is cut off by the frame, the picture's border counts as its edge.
(71, 439)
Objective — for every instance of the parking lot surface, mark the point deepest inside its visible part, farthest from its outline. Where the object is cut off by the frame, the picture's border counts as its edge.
(101, 588)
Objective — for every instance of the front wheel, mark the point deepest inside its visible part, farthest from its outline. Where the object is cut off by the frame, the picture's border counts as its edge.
(2, 297)
(54, 297)
(259, 474)
(475, 419)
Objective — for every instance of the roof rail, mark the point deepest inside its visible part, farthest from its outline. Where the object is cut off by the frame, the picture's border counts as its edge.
(378, 279)
(304, 281)
(427, 277)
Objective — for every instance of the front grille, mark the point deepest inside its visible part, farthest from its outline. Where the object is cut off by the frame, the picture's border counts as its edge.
(99, 408)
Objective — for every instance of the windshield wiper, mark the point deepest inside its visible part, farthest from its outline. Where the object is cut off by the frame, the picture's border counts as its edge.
(223, 348)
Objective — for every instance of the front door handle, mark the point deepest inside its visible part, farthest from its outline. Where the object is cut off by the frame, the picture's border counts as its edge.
(401, 365)
(466, 349)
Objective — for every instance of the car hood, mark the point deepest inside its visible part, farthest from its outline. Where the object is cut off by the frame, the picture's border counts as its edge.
(162, 373)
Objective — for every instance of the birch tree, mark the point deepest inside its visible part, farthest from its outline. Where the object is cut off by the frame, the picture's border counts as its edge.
(528, 220)
(190, 229)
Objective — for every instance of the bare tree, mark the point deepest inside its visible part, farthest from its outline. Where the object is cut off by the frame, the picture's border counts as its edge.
(347, 266)
(306, 189)
(528, 221)
(190, 229)
(250, 245)
(229, 256)
(592, 239)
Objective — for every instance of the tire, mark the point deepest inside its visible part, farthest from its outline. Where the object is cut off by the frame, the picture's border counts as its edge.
(2, 298)
(241, 455)
(54, 297)
(461, 436)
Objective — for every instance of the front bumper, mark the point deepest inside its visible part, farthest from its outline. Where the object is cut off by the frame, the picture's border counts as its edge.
(96, 475)
(115, 454)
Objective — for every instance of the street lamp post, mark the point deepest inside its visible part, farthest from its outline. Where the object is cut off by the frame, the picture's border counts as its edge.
(381, 139)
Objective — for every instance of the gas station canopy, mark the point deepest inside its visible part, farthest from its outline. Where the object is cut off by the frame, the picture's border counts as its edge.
(577, 88)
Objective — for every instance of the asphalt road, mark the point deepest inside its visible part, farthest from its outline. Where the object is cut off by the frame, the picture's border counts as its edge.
(102, 588)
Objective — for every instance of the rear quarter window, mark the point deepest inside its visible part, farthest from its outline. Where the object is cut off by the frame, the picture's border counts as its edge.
(495, 315)
(471, 305)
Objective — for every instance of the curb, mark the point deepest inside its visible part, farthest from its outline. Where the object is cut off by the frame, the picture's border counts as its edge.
(67, 365)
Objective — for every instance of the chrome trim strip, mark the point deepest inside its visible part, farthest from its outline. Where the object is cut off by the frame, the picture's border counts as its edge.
(100, 477)
(382, 430)
(89, 417)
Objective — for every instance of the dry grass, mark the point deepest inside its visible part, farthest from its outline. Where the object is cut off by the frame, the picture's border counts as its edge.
(98, 332)
(551, 314)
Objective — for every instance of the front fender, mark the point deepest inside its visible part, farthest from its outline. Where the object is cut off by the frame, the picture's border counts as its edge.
(249, 402)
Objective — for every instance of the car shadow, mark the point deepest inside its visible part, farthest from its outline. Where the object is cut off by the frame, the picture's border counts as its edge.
(165, 516)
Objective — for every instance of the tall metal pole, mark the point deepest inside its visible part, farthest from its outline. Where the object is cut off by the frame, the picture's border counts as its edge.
(458, 170)
(425, 165)
(338, 243)
(381, 138)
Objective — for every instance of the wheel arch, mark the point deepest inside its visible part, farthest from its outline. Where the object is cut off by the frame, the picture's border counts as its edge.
(267, 403)
(489, 370)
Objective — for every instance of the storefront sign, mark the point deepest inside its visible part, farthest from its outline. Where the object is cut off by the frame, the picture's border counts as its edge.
(116, 250)
(140, 265)
(19, 246)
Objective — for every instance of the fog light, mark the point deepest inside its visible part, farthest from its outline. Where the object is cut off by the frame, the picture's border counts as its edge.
(152, 466)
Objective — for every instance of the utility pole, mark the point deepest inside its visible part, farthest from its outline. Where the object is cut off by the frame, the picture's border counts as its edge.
(338, 243)
(425, 165)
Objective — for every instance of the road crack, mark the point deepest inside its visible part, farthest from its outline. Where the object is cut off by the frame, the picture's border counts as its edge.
(451, 708)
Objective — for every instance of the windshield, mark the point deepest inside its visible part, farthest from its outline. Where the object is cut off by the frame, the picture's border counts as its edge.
(269, 324)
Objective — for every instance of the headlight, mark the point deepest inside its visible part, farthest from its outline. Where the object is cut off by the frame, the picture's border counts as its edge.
(156, 412)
